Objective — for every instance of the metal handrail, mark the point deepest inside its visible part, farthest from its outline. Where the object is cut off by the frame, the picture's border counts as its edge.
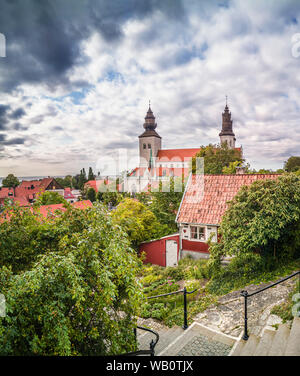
(246, 295)
(185, 293)
(152, 345)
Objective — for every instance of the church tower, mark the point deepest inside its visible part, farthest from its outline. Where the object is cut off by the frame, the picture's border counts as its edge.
(149, 141)
(227, 135)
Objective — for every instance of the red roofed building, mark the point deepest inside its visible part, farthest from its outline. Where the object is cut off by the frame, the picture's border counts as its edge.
(160, 164)
(203, 205)
(27, 191)
(46, 210)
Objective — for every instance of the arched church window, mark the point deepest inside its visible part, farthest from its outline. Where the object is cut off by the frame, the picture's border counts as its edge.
(149, 146)
(144, 146)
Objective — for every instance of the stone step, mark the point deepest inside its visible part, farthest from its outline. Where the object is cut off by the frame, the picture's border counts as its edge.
(199, 340)
(265, 343)
(238, 349)
(293, 343)
(280, 341)
(250, 346)
(165, 338)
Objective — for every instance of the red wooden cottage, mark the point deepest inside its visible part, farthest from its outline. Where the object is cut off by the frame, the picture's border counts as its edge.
(203, 205)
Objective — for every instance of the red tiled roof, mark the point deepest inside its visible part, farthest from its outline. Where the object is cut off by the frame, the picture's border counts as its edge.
(50, 209)
(68, 194)
(161, 171)
(45, 210)
(176, 154)
(206, 196)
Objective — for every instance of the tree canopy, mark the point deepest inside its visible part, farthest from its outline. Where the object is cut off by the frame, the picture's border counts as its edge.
(76, 292)
(166, 201)
(263, 218)
(292, 164)
(11, 181)
(137, 221)
(49, 198)
(216, 158)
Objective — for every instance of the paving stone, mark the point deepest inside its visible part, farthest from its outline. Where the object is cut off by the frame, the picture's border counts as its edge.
(201, 345)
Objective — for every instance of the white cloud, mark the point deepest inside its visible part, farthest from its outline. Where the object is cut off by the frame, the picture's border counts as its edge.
(248, 57)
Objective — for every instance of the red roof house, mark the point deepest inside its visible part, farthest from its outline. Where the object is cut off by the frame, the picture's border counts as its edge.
(27, 191)
(203, 205)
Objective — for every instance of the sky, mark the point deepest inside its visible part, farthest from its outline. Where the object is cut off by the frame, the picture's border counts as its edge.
(78, 75)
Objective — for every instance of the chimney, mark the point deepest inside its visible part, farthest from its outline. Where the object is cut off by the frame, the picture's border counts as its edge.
(240, 170)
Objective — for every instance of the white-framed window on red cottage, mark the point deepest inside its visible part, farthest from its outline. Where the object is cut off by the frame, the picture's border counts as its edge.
(197, 233)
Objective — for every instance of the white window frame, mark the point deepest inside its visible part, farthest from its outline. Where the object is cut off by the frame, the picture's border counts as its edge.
(198, 238)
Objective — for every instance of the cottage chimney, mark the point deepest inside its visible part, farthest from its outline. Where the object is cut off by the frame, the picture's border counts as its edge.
(240, 170)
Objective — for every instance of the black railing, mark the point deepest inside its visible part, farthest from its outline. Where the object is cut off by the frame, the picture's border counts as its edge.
(185, 293)
(246, 295)
(152, 344)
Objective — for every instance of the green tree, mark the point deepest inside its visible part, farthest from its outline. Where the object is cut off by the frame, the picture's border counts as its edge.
(77, 299)
(231, 169)
(165, 203)
(91, 194)
(292, 164)
(65, 182)
(216, 157)
(137, 221)
(11, 181)
(263, 218)
(91, 175)
(82, 179)
(49, 198)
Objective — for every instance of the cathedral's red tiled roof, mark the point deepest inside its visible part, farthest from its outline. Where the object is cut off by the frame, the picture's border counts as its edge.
(176, 154)
(206, 196)
(160, 172)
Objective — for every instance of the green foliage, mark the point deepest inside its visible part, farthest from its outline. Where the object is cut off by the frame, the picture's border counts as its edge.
(65, 182)
(137, 221)
(247, 269)
(68, 302)
(292, 164)
(49, 198)
(91, 175)
(11, 181)
(158, 280)
(231, 168)
(165, 203)
(263, 218)
(284, 310)
(91, 194)
(216, 158)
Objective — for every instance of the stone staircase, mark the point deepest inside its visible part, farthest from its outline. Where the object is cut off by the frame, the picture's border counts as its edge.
(281, 342)
(197, 340)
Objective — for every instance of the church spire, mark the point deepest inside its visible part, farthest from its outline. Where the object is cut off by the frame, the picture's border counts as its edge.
(150, 124)
(226, 134)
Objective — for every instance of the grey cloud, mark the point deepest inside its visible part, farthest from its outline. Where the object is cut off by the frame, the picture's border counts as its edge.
(43, 37)
(17, 114)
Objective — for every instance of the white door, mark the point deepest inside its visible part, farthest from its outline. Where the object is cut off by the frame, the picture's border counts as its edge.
(171, 253)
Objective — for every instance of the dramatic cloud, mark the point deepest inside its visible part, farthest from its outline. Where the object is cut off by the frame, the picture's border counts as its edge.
(78, 76)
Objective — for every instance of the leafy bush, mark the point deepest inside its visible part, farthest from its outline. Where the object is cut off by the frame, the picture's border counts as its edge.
(247, 269)
(68, 300)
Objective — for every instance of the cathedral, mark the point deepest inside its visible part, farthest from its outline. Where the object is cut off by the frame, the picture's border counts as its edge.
(157, 164)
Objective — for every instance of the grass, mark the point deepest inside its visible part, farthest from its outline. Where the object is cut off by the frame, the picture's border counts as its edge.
(195, 274)
(158, 280)
(284, 311)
